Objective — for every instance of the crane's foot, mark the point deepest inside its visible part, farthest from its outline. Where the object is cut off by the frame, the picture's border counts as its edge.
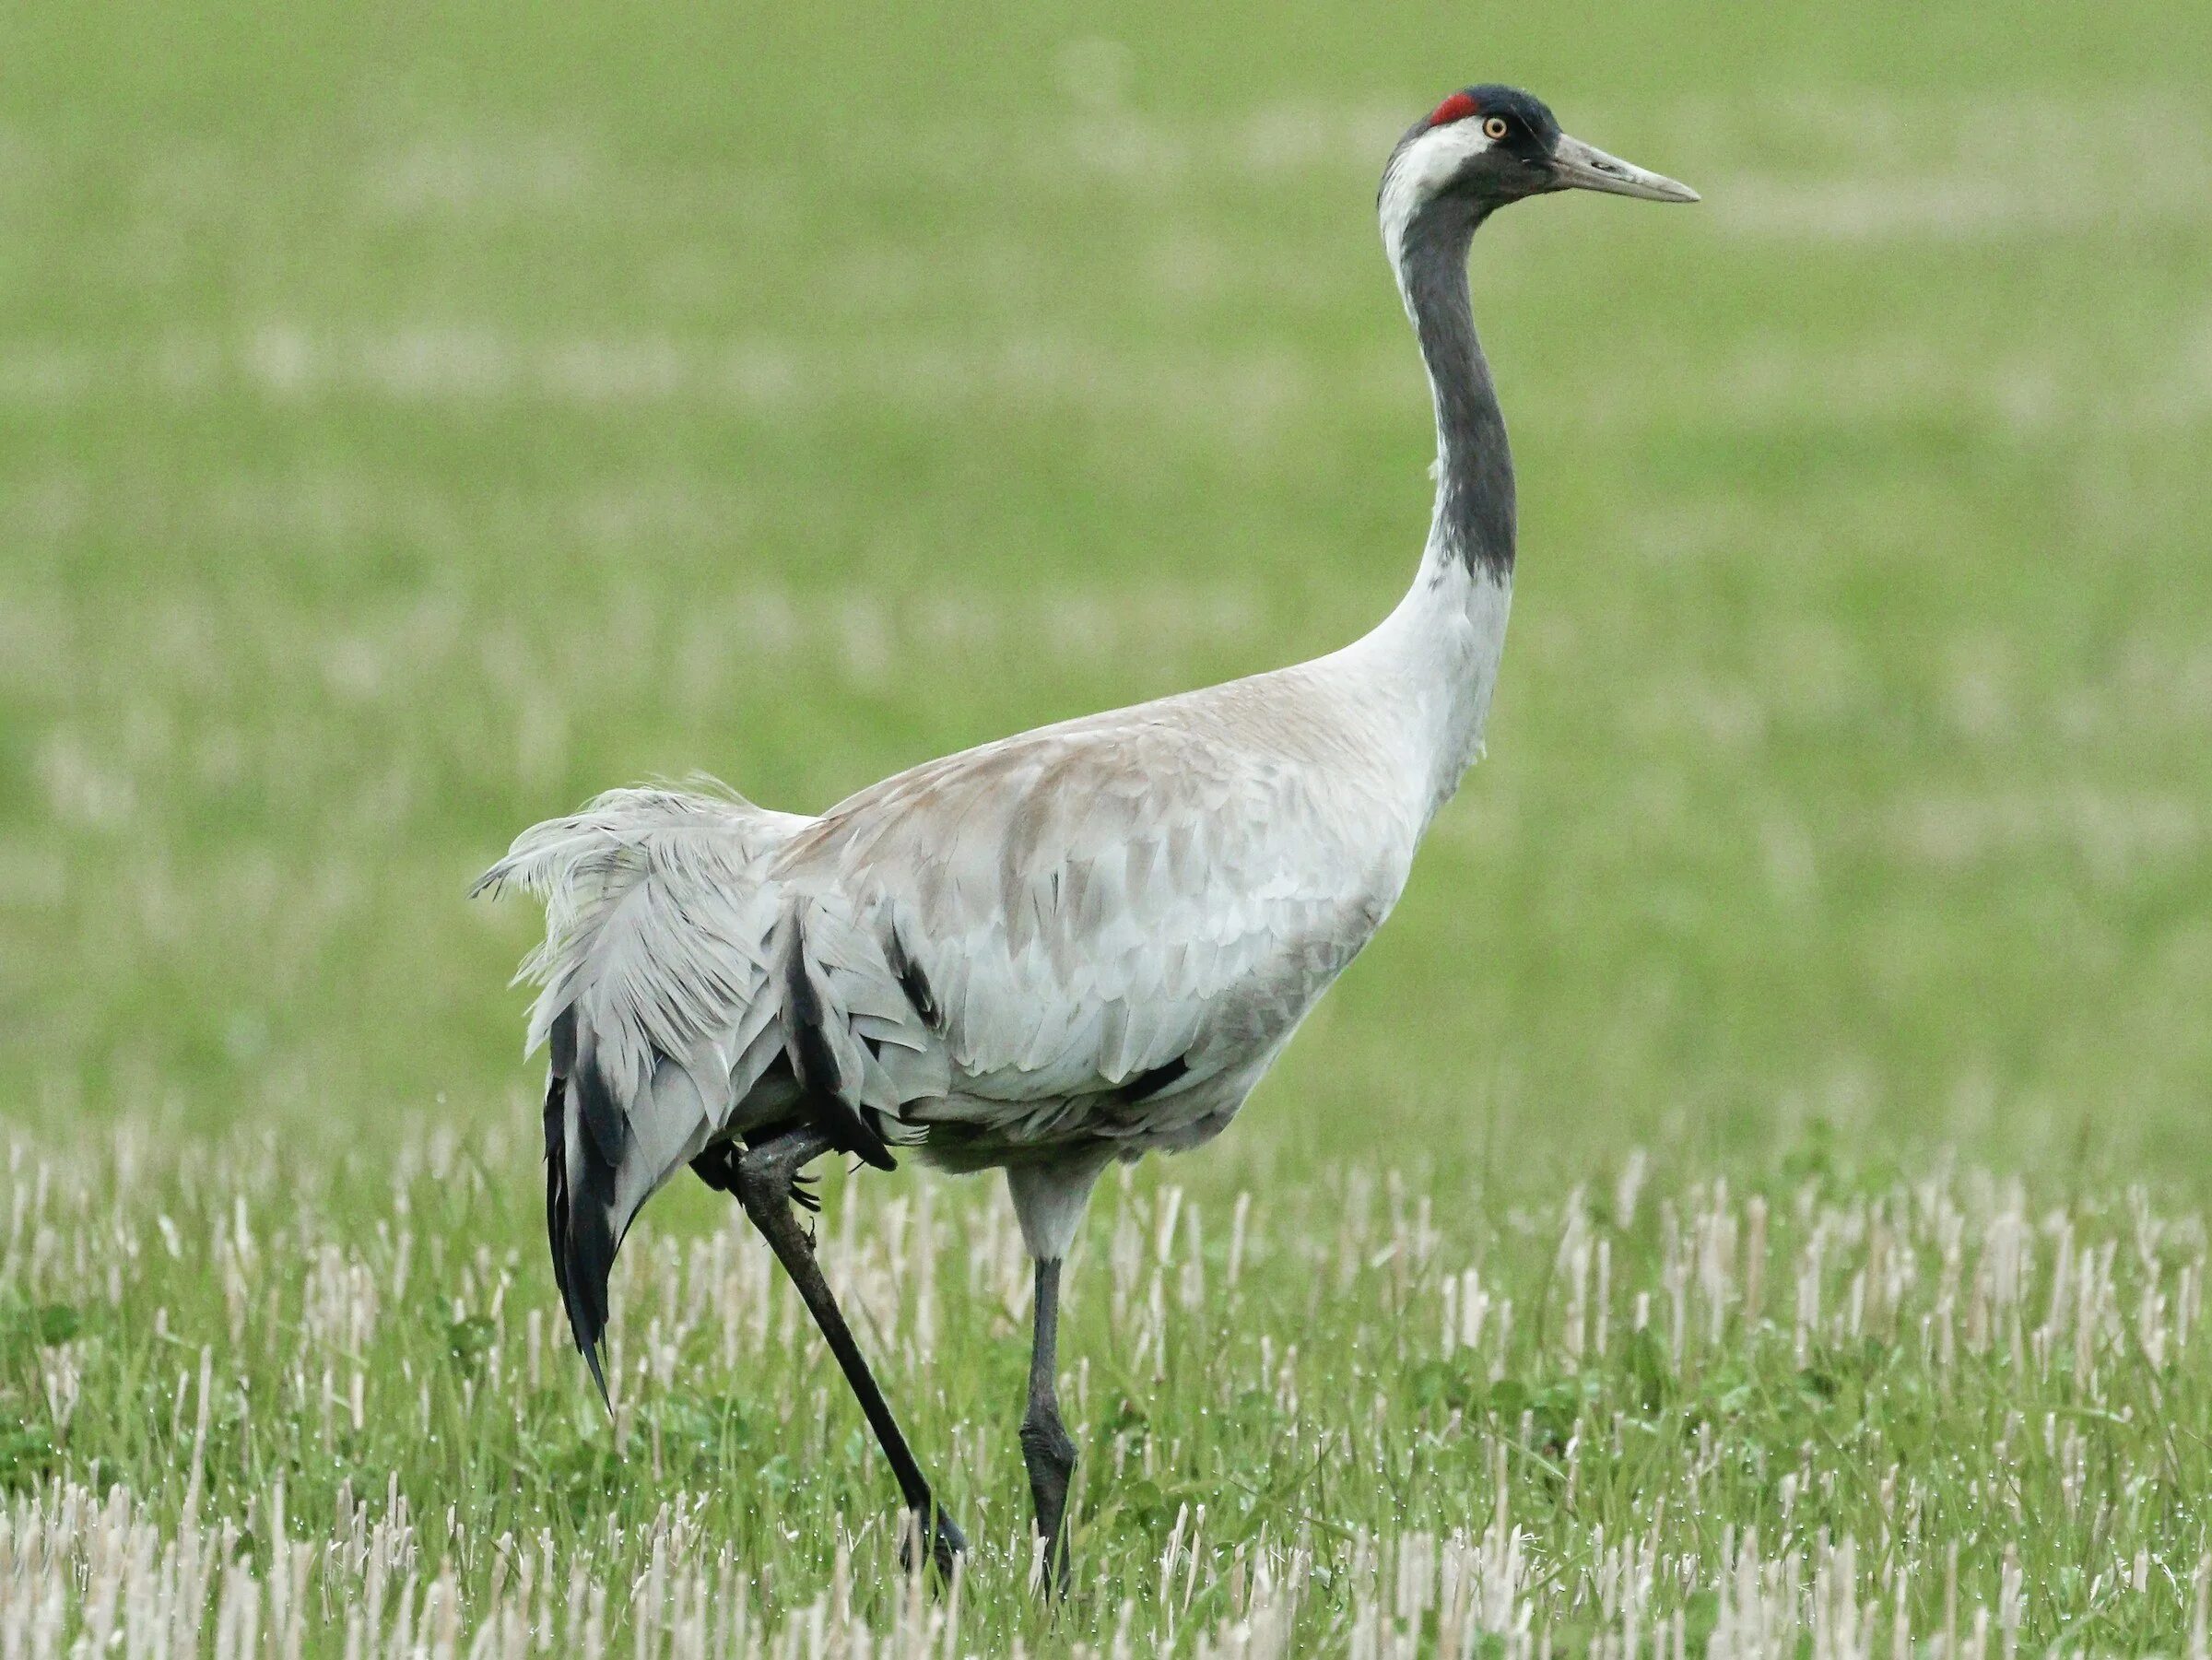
(775, 1169)
(722, 1167)
(946, 1542)
(773, 1172)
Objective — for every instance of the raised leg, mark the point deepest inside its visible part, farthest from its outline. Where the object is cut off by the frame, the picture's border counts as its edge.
(763, 1181)
(1045, 1446)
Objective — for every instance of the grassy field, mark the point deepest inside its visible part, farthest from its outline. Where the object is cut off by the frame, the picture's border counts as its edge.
(410, 427)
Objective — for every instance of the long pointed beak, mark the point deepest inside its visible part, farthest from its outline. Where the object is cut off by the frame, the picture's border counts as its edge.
(1579, 166)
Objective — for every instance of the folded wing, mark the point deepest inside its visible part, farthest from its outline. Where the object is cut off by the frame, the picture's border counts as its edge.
(1022, 938)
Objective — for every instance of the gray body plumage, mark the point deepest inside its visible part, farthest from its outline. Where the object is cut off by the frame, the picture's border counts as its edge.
(1082, 943)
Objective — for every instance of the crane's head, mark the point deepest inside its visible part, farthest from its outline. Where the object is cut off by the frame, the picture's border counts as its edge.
(1485, 146)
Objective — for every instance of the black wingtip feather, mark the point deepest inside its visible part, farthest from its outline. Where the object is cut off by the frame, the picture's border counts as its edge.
(914, 984)
(560, 1043)
(1145, 1085)
(864, 1142)
(590, 1359)
(557, 1185)
(601, 1112)
(577, 1229)
(816, 1066)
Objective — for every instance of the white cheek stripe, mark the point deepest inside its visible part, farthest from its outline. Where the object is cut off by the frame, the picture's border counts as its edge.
(1419, 171)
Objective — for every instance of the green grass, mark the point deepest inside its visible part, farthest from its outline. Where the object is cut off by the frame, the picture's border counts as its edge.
(1313, 1415)
(409, 426)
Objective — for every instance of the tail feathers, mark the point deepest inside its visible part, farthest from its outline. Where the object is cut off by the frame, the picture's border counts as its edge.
(657, 911)
(673, 976)
(603, 1161)
(580, 1197)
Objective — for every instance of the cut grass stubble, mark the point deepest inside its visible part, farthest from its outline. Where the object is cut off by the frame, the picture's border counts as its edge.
(258, 1391)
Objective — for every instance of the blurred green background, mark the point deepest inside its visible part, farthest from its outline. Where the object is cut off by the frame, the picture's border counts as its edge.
(414, 421)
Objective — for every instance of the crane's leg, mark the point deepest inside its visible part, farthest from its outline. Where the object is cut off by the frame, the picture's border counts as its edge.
(763, 1181)
(1045, 1446)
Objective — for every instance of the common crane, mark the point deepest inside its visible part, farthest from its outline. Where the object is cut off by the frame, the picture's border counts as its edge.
(1081, 943)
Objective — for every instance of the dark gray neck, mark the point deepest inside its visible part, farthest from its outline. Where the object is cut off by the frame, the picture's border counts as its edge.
(1474, 524)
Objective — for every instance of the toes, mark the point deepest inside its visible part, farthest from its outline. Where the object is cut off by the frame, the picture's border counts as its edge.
(947, 1543)
(950, 1543)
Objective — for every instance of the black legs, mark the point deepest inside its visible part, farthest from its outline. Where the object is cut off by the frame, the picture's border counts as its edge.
(763, 1181)
(1045, 1447)
(764, 1178)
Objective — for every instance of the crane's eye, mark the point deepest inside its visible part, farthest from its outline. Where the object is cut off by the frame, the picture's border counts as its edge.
(1494, 127)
